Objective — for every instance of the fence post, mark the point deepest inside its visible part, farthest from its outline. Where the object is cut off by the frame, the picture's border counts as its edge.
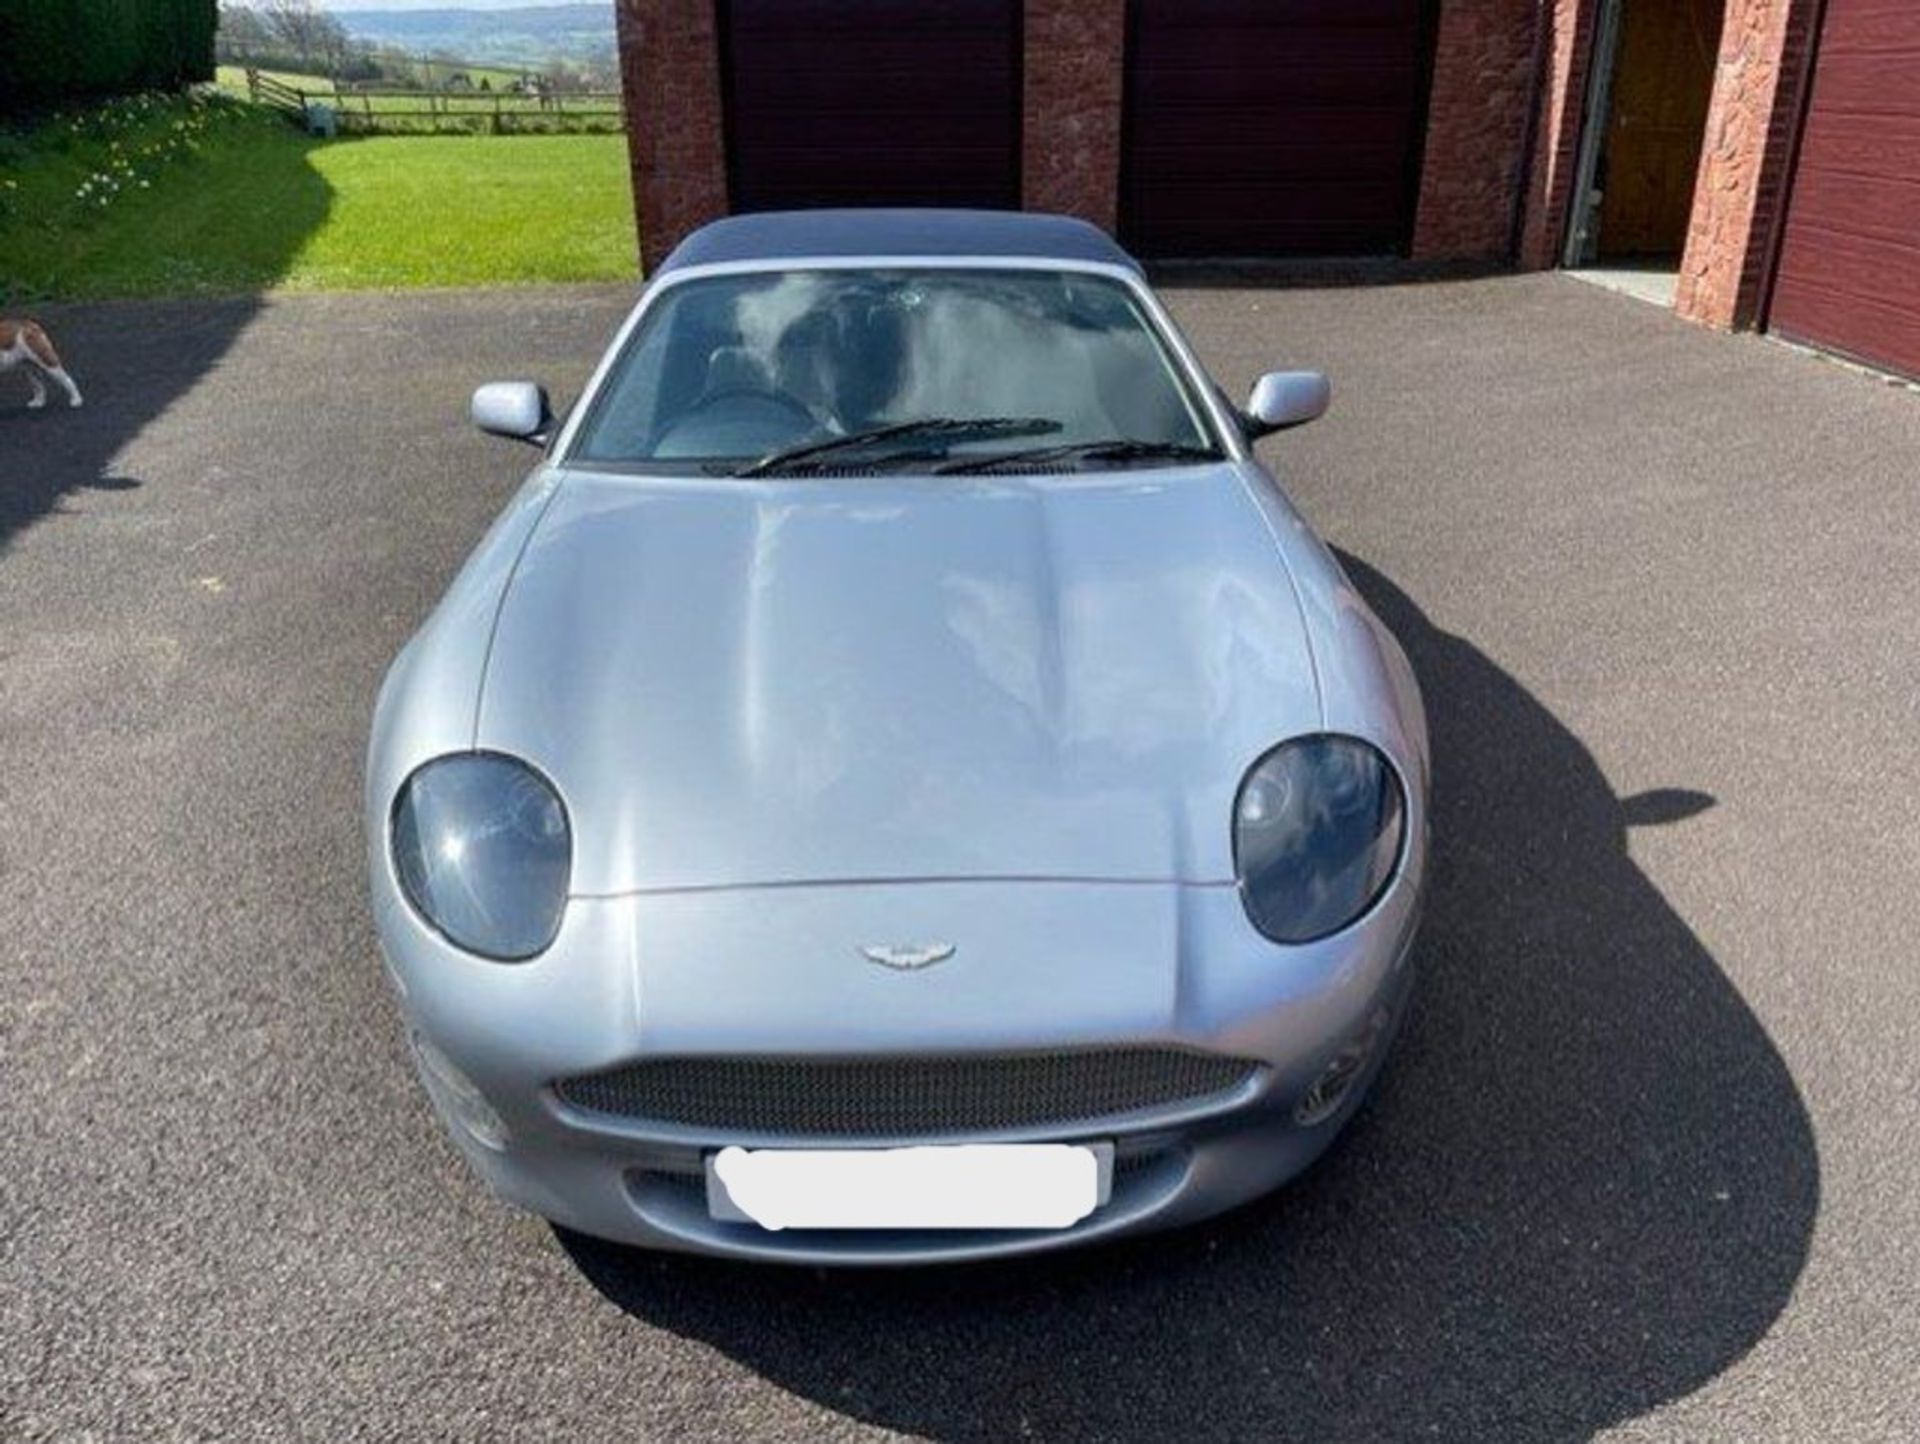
(253, 85)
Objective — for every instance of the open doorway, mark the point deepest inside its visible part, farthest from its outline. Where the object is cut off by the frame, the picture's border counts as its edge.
(1646, 120)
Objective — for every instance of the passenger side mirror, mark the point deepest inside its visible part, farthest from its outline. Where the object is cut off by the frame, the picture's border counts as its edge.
(518, 409)
(1281, 399)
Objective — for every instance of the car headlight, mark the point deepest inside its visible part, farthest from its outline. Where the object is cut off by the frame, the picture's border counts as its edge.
(483, 851)
(1317, 828)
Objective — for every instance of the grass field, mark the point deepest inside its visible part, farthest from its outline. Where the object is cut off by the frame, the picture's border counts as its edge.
(233, 78)
(475, 112)
(182, 196)
(433, 72)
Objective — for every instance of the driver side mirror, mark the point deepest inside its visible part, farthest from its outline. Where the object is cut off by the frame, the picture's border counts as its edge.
(1281, 399)
(518, 409)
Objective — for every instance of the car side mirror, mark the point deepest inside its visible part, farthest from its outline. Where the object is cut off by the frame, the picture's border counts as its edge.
(1281, 399)
(518, 409)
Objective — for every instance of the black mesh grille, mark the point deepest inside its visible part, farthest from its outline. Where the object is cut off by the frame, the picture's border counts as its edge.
(908, 1097)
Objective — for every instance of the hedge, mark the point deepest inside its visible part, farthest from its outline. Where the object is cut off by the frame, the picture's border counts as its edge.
(53, 49)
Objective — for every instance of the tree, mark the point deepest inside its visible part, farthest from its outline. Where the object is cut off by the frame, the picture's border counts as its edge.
(558, 78)
(304, 30)
(396, 66)
(602, 72)
(243, 34)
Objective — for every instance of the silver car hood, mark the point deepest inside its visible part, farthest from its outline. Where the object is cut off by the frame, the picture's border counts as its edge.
(737, 682)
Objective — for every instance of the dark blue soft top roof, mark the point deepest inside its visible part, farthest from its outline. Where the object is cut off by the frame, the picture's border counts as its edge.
(815, 235)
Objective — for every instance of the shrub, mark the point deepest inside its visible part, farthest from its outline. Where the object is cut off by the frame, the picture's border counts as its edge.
(53, 49)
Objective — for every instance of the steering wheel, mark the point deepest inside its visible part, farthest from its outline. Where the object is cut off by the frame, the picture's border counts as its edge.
(736, 421)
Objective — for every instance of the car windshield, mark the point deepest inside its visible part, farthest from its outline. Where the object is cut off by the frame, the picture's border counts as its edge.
(725, 373)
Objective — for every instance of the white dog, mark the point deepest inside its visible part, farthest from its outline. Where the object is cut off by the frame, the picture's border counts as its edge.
(24, 343)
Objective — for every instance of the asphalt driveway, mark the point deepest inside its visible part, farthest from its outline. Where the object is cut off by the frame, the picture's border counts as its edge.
(1648, 1160)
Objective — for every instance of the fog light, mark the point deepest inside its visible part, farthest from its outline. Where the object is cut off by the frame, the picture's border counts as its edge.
(1321, 1101)
(457, 1096)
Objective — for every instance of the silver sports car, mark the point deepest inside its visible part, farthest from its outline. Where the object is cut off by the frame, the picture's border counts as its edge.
(900, 782)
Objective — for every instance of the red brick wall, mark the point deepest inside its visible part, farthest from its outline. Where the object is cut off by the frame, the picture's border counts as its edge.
(1478, 98)
(670, 71)
(1484, 67)
(1070, 126)
(1495, 62)
(1503, 69)
(1484, 82)
(1744, 164)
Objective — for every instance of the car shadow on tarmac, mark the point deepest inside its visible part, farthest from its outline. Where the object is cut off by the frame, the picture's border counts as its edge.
(1585, 1185)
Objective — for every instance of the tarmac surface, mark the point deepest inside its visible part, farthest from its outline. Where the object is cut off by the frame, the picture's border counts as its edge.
(1648, 1157)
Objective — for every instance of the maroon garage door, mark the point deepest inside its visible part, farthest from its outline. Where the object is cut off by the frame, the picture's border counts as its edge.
(1273, 127)
(871, 102)
(1849, 270)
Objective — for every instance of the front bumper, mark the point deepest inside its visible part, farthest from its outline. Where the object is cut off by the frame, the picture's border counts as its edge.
(778, 972)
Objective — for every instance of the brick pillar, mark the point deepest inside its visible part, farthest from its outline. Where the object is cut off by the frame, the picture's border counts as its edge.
(1070, 131)
(1751, 126)
(670, 73)
(1566, 54)
(1484, 67)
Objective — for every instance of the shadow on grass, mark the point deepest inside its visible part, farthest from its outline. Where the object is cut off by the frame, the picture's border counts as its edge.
(1586, 1185)
(135, 359)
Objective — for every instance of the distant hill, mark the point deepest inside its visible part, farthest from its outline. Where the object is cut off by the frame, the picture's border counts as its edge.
(523, 33)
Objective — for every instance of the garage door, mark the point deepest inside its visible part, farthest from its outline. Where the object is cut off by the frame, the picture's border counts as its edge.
(1272, 127)
(871, 102)
(1849, 268)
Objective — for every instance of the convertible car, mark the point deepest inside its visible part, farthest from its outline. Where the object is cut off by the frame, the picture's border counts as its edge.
(900, 782)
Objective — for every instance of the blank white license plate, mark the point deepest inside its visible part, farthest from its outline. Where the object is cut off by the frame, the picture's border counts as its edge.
(974, 1185)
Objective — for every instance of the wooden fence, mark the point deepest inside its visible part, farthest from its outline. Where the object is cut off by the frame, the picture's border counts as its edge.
(430, 112)
(277, 95)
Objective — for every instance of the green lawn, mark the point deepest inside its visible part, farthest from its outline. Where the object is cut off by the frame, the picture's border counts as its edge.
(179, 197)
(470, 210)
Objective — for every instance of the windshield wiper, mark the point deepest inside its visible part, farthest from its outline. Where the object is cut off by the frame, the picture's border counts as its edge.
(1117, 449)
(948, 428)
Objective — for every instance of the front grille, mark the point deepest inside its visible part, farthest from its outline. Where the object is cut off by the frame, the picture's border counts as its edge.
(910, 1097)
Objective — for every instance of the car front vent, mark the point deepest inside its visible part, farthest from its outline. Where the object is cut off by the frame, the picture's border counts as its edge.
(931, 1096)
